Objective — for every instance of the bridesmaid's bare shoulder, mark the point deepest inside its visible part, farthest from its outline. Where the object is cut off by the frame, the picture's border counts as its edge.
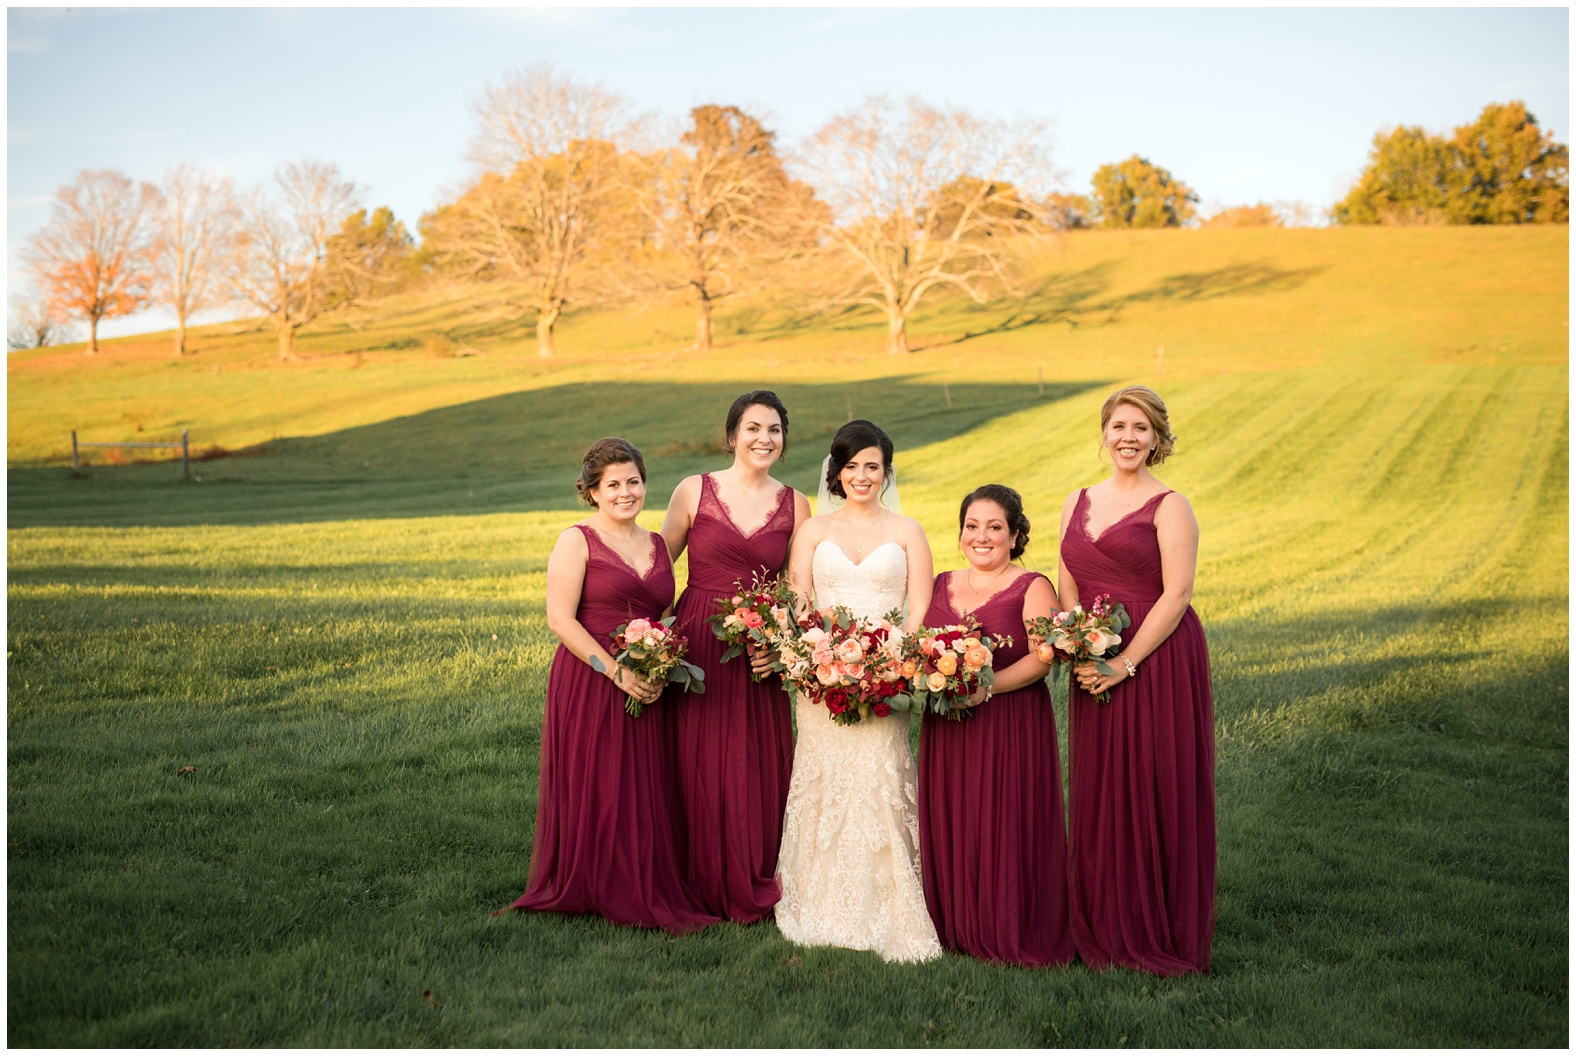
(1068, 507)
(1175, 509)
(687, 492)
(572, 541)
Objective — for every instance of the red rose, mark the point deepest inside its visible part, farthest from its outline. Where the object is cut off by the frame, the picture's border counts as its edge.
(882, 709)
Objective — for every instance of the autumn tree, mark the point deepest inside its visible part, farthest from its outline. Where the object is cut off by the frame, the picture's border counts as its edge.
(1511, 171)
(34, 323)
(1068, 212)
(1260, 214)
(1408, 180)
(369, 256)
(1138, 193)
(923, 198)
(556, 200)
(284, 267)
(92, 259)
(1500, 169)
(196, 236)
(720, 205)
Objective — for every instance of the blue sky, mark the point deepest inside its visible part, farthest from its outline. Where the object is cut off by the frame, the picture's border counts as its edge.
(1243, 104)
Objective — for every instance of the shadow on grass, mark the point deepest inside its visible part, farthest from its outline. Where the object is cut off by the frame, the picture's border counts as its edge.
(1076, 298)
(514, 452)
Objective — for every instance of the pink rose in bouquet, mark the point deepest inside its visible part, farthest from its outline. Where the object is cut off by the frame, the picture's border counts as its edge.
(760, 616)
(654, 651)
(846, 663)
(1082, 634)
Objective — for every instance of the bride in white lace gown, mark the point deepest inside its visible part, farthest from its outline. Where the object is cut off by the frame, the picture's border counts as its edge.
(849, 865)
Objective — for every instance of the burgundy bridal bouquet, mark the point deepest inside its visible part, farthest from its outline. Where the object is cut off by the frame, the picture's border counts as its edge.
(845, 662)
(1082, 634)
(760, 615)
(653, 650)
(944, 666)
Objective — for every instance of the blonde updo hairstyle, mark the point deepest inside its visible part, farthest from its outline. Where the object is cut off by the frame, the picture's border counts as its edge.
(609, 451)
(1154, 408)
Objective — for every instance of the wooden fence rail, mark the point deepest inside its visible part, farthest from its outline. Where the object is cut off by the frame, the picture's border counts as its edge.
(185, 445)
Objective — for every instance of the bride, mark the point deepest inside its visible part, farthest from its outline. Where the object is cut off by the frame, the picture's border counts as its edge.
(849, 865)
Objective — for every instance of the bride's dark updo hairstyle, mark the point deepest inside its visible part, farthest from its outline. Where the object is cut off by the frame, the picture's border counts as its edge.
(757, 398)
(849, 441)
(1011, 504)
(609, 451)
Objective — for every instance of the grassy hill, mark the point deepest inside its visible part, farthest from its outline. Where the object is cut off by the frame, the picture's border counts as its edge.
(343, 632)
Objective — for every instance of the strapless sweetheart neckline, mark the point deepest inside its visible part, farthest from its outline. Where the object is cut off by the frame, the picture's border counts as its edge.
(851, 561)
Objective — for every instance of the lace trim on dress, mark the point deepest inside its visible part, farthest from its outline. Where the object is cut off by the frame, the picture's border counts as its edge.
(710, 489)
(596, 544)
(1020, 582)
(1085, 503)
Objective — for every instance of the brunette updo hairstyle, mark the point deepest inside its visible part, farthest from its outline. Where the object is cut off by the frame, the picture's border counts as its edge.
(1011, 504)
(849, 441)
(758, 398)
(609, 451)
(1154, 408)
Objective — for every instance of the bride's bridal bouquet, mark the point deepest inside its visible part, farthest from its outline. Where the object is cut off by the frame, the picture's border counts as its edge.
(653, 650)
(1082, 634)
(847, 663)
(944, 666)
(760, 615)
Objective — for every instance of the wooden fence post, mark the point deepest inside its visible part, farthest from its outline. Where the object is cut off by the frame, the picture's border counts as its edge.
(186, 453)
(74, 466)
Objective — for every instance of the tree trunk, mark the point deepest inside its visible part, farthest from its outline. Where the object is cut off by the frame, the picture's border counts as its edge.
(703, 321)
(180, 334)
(897, 332)
(287, 332)
(546, 318)
(92, 349)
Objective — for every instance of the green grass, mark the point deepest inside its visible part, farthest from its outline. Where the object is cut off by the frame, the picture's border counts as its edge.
(344, 635)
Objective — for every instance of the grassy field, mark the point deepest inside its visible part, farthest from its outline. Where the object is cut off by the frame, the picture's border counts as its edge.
(341, 630)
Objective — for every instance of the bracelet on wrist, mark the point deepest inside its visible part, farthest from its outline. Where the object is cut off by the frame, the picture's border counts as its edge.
(1132, 668)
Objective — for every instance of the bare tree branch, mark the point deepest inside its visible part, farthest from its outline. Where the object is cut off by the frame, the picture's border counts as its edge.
(283, 268)
(197, 236)
(923, 198)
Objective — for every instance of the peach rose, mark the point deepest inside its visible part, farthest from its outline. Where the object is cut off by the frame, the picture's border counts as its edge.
(946, 663)
(849, 650)
(637, 628)
(1101, 642)
(936, 682)
(813, 635)
(910, 668)
(822, 655)
(977, 657)
(826, 675)
(753, 619)
(853, 671)
(1046, 652)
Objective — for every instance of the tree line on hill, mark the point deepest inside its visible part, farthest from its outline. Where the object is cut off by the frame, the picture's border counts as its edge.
(577, 201)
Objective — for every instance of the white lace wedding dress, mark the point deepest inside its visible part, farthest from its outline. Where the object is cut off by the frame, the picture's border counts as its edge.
(849, 864)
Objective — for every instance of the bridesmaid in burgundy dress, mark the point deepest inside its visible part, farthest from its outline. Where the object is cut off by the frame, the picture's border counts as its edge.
(993, 845)
(609, 825)
(735, 742)
(1143, 766)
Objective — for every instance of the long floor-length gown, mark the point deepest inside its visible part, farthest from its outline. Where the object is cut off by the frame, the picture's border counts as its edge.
(609, 824)
(992, 840)
(850, 855)
(1143, 772)
(735, 742)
